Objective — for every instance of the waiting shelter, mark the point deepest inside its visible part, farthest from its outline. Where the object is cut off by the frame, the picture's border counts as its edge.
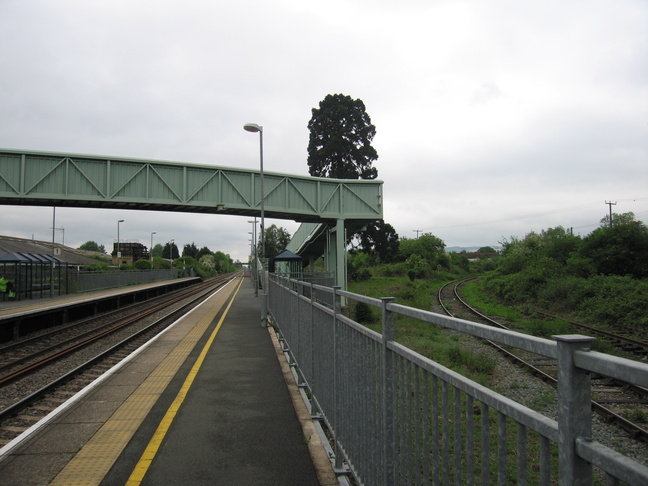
(287, 263)
(31, 275)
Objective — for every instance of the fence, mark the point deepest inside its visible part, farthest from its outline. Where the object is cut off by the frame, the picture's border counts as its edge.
(398, 418)
(89, 281)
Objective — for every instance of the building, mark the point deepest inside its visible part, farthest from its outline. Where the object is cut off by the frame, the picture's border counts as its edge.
(129, 253)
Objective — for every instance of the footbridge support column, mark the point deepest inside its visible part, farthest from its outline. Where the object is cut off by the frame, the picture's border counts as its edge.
(335, 253)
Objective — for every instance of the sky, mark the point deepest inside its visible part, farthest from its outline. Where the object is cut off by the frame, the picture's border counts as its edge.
(493, 119)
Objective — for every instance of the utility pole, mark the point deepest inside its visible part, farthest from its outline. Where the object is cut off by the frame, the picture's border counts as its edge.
(417, 232)
(610, 203)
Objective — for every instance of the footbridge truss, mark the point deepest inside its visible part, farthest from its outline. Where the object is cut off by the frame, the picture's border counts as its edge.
(331, 206)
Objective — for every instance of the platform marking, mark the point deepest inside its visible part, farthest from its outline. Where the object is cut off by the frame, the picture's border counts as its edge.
(141, 468)
(90, 465)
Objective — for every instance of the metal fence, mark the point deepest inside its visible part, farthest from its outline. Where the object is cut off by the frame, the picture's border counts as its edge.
(398, 418)
(90, 281)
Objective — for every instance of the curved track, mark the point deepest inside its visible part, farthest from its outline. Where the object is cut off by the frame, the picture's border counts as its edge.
(455, 306)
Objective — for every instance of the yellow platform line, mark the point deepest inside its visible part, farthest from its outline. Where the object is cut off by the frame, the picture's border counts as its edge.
(91, 464)
(149, 453)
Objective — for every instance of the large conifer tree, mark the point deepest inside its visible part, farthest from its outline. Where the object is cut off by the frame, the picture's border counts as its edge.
(339, 146)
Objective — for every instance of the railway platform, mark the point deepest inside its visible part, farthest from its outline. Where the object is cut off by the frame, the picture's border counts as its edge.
(209, 401)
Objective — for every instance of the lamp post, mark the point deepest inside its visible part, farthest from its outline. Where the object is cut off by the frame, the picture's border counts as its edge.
(118, 252)
(151, 253)
(151, 250)
(253, 127)
(255, 255)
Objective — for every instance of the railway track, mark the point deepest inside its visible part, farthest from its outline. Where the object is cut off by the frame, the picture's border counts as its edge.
(66, 373)
(605, 390)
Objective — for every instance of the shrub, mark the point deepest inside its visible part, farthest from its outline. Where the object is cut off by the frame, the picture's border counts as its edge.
(364, 314)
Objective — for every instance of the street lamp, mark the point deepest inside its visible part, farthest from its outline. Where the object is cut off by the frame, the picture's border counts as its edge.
(118, 252)
(151, 250)
(171, 251)
(255, 255)
(253, 127)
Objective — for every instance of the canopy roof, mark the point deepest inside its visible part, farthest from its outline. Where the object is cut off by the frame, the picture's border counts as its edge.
(286, 256)
(19, 257)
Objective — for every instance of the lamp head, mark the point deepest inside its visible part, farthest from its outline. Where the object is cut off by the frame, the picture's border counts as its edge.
(252, 127)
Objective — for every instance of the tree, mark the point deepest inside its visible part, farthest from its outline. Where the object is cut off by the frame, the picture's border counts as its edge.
(222, 262)
(339, 145)
(427, 247)
(619, 250)
(170, 251)
(190, 250)
(157, 250)
(92, 246)
(276, 240)
(379, 239)
(203, 252)
(623, 218)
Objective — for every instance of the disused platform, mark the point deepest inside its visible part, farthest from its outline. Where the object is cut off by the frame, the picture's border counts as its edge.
(206, 402)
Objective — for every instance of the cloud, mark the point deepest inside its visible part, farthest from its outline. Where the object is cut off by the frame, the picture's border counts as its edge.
(492, 118)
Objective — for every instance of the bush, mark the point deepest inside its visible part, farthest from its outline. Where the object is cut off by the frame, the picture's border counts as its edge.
(364, 314)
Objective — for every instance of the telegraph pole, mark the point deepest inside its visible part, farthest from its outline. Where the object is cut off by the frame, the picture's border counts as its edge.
(417, 232)
(610, 204)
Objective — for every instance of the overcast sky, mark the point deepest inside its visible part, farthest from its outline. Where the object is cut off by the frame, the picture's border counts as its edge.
(493, 118)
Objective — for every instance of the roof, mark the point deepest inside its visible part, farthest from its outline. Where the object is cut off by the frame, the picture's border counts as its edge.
(10, 245)
(29, 258)
(285, 256)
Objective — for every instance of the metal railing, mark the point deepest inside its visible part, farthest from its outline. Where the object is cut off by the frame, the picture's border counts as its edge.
(90, 281)
(398, 418)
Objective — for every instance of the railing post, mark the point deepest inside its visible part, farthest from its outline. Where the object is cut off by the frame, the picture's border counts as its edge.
(574, 410)
(388, 418)
(337, 309)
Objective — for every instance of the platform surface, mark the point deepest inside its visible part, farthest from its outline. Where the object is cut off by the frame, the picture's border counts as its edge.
(206, 403)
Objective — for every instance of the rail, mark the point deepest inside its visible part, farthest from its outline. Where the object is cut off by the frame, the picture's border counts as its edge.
(397, 417)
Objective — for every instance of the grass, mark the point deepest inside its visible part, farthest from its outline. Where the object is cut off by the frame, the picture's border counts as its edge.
(445, 347)
(427, 339)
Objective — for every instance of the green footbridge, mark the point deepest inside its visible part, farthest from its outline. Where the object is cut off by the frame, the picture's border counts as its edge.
(328, 209)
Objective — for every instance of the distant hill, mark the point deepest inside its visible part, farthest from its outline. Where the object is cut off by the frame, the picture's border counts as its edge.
(469, 249)
(459, 249)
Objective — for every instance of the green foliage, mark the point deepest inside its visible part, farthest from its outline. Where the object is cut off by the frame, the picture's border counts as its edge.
(601, 277)
(223, 263)
(357, 266)
(160, 263)
(276, 240)
(190, 250)
(364, 314)
(380, 240)
(475, 362)
(92, 246)
(142, 264)
(97, 267)
(619, 250)
(427, 247)
(157, 250)
(546, 329)
(170, 251)
(340, 138)
(416, 266)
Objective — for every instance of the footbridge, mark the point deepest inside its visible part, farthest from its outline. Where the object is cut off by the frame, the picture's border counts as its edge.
(330, 208)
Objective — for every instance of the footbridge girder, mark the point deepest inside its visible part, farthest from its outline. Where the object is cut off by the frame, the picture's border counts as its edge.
(71, 180)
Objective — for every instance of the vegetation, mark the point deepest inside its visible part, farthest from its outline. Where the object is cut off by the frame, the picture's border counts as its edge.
(553, 270)
(92, 246)
(601, 278)
(276, 240)
(340, 138)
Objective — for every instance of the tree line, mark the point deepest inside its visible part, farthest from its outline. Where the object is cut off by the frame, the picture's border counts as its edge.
(601, 277)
